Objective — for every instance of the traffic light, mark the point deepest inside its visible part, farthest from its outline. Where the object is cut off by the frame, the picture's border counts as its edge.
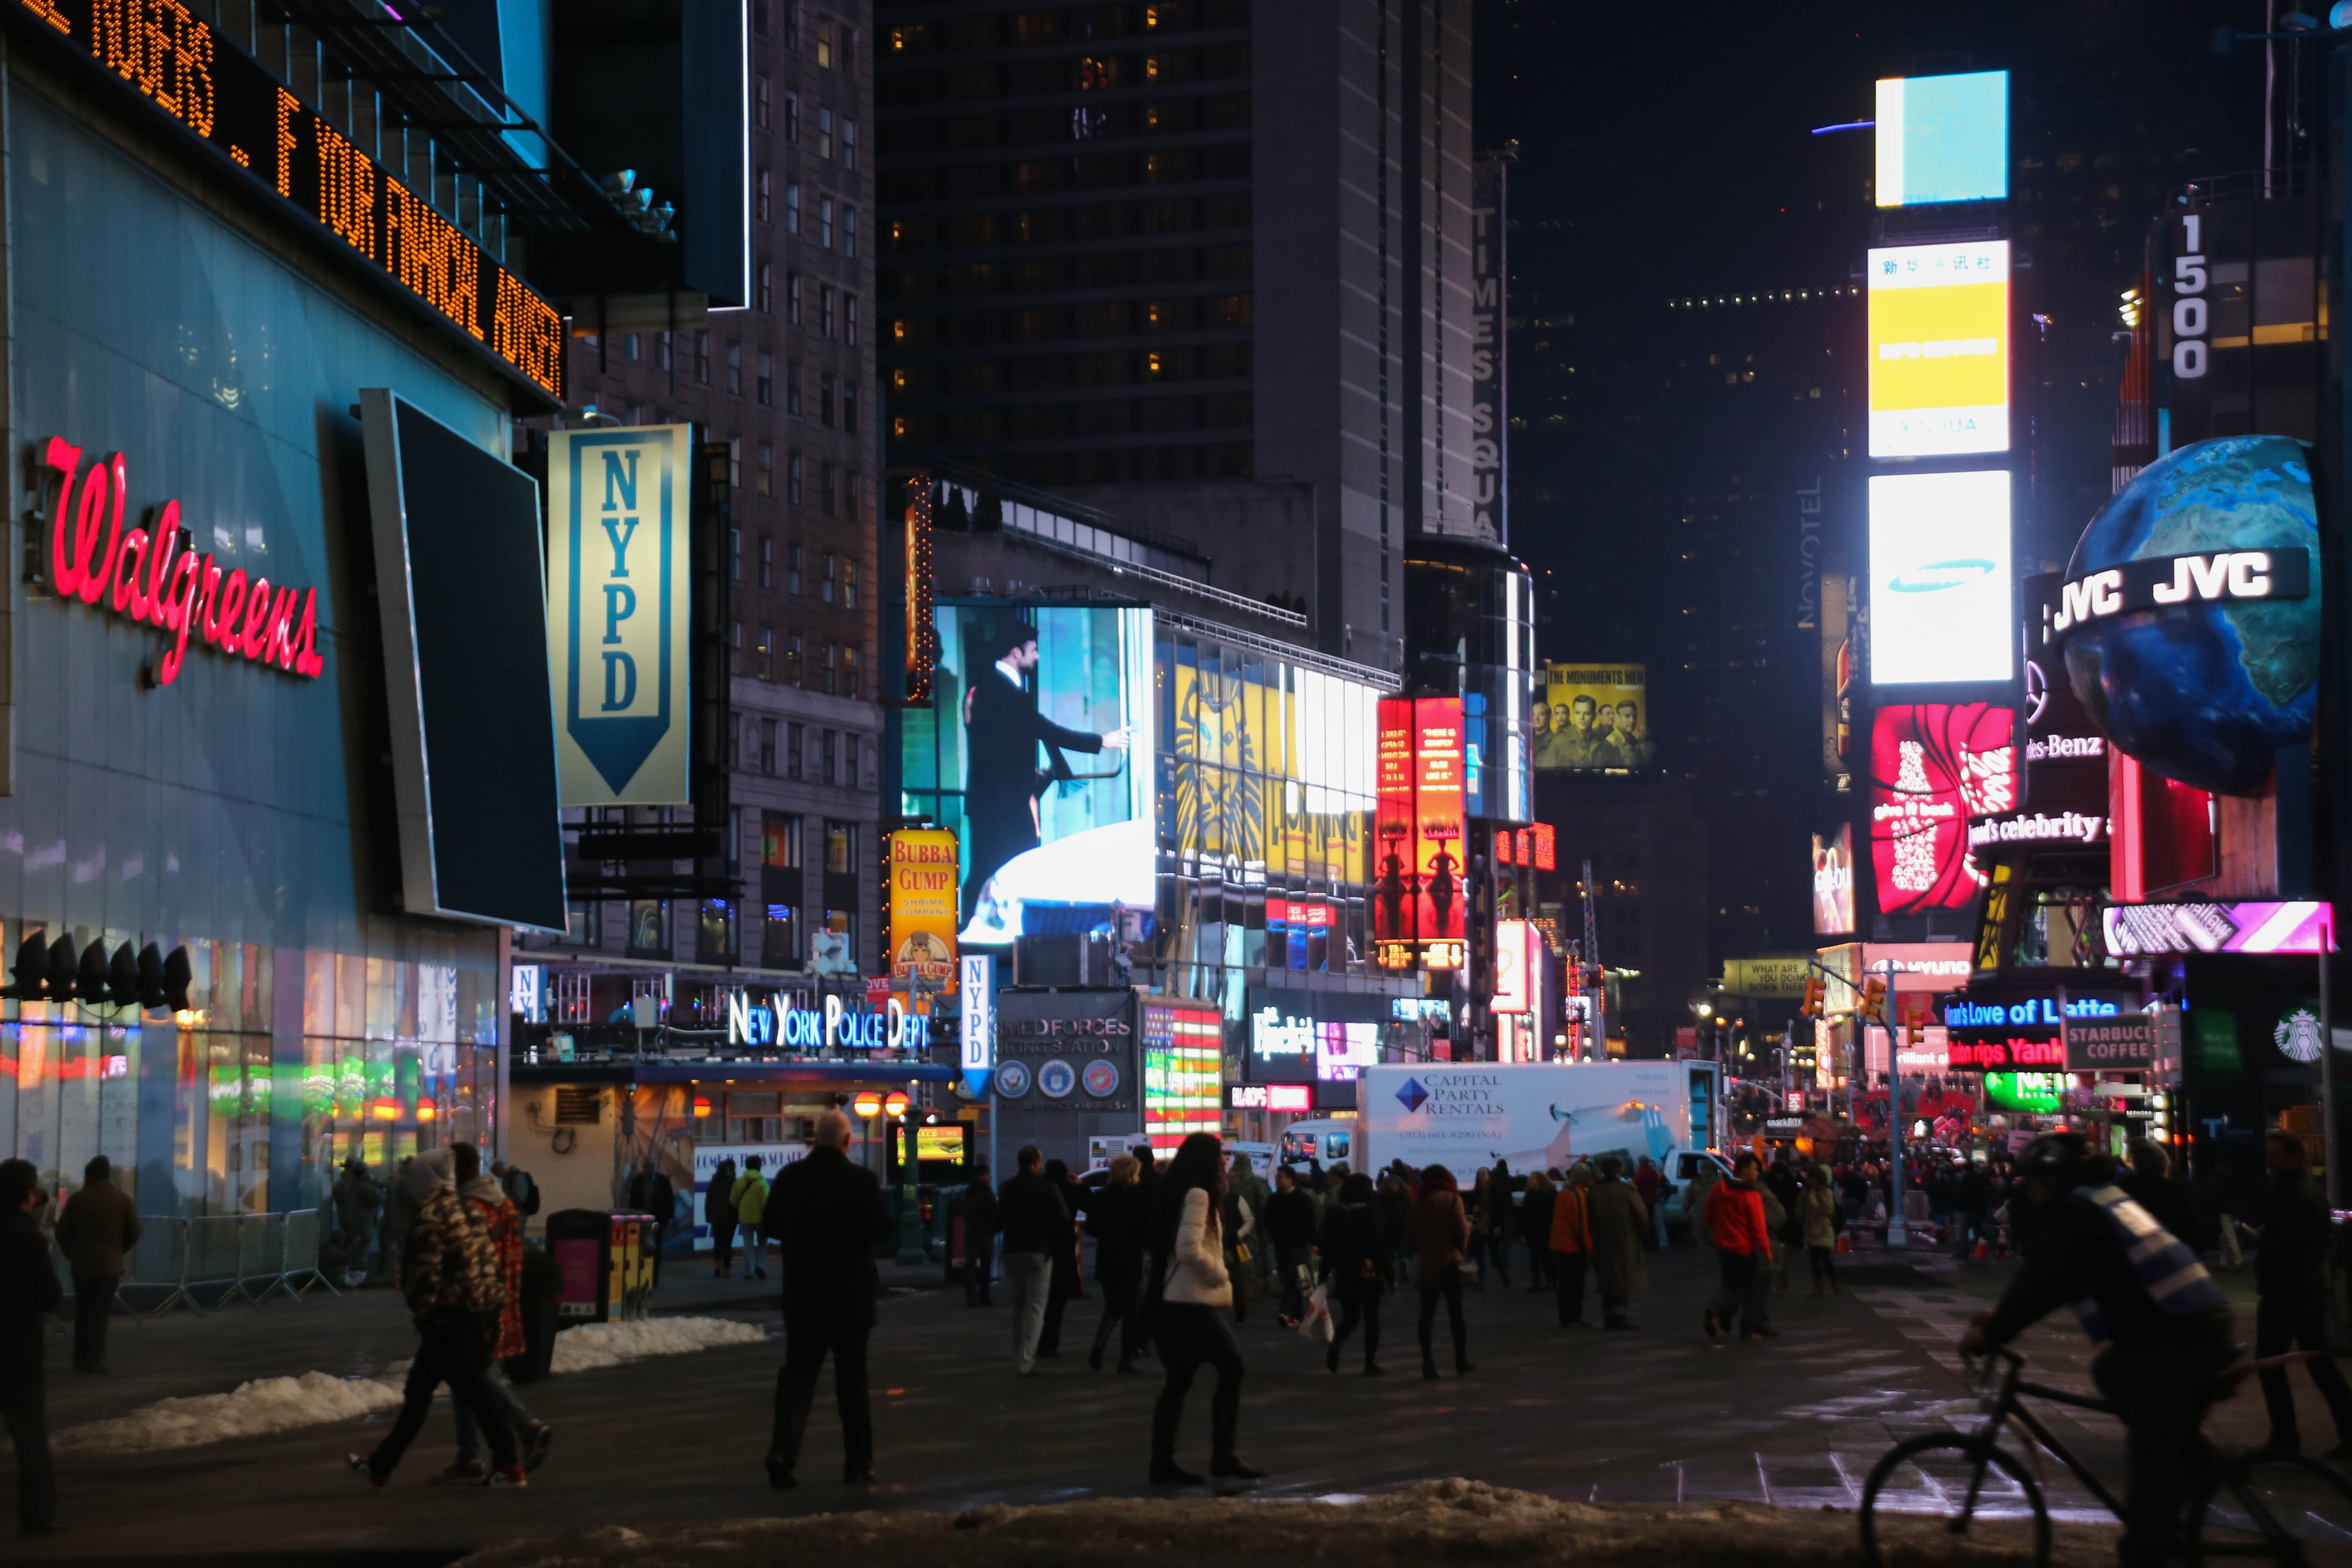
(1874, 997)
(1816, 994)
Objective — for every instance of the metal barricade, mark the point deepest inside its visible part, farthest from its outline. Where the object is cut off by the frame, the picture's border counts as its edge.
(299, 1260)
(208, 1261)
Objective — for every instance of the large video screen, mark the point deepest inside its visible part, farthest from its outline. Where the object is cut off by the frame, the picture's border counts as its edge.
(1594, 717)
(1036, 750)
(1939, 349)
(1933, 766)
(1833, 881)
(1941, 582)
(1943, 139)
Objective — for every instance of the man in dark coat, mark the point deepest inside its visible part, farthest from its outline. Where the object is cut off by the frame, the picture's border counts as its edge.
(101, 1224)
(1035, 1218)
(2290, 1284)
(29, 1291)
(1290, 1224)
(652, 1192)
(827, 1216)
(1002, 731)
(979, 1228)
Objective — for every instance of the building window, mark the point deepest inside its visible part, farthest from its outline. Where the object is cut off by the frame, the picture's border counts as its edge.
(824, 401)
(764, 479)
(840, 841)
(826, 474)
(792, 118)
(824, 42)
(759, 17)
(649, 928)
(767, 551)
(780, 836)
(853, 498)
(764, 197)
(825, 585)
(763, 99)
(792, 570)
(793, 483)
(735, 461)
(583, 922)
(824, 133)
(767, 747)
(849, 410)
(764, 663)
(848, 231)
(793, 673)
(628, 345)
(849, 331)
(793, 299)
(780, 935)
(663, 347)
(825, 298)
(849, 142)
(849, 685)
(796, 748)
(767, 294)
(793, 388)
(829, 749)
(735, 647)
(735, 743)
(832, 677)
(792, 207)
(763, 384)
(734, 369)
(825, 222)
(702, 359)
(849, 584)
(714, 932)
(735, 555)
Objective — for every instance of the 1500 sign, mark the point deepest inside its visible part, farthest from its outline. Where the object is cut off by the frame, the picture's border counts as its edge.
(148, 575)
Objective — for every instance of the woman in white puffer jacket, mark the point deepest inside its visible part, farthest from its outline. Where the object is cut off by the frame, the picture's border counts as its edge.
(1192, 1325)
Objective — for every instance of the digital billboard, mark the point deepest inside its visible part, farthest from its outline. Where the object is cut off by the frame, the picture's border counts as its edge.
(1943, 139)
(1594, 716)
(923, 909)
(1035, 751)
(1939, 349)
(1933, 767)
(1941, 584)
(1833, 882)
(1417, 888)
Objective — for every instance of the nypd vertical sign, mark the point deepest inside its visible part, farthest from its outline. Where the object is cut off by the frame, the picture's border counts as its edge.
(619, 576)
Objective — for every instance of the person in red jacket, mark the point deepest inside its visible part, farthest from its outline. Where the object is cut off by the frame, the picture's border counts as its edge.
(1743, 1245)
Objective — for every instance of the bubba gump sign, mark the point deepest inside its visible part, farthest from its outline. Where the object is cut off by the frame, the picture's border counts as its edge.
(152, 575)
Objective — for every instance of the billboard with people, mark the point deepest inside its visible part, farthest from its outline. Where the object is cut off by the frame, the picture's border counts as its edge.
(1594, 717)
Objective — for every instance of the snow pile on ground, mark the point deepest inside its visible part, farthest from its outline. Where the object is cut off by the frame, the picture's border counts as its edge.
(593, 1345)
(279, 1404)
(1432, 1525)
(249, 1410)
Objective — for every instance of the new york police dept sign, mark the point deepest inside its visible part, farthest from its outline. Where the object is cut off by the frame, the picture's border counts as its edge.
(619, 574)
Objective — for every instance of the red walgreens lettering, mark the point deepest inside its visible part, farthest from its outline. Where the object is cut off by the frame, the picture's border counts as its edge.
(147, 575)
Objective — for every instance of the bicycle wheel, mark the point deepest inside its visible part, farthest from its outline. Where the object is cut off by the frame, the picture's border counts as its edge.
(1974, 1486)
(2271, 1507)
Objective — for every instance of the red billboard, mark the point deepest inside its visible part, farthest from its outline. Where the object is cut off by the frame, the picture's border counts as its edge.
(1393, 848)
(1418, 824)
(1933, 766)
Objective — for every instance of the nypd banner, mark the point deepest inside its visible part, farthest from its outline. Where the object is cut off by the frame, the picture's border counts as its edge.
(619, 613)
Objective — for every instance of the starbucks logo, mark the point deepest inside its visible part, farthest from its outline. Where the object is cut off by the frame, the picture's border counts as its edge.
(1012, 1079)
(2297, 1035)
(1056, 1079)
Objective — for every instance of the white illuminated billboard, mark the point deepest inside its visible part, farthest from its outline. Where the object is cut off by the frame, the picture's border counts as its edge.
(1943, 139)
(1941, 579)
(1939, 349)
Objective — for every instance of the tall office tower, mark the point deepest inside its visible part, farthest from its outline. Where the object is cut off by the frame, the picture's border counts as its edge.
(1203, 265)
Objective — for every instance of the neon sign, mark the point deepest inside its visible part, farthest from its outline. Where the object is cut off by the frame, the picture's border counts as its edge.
(155, 577)
(751, 1023)
(224, 98)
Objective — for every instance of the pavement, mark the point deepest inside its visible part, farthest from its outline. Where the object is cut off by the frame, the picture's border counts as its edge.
(1657, 1415)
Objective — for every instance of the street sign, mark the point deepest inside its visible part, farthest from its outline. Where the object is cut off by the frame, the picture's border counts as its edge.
(977, 984)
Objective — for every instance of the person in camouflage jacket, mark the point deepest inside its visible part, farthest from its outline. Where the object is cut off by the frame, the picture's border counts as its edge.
(449, 1275)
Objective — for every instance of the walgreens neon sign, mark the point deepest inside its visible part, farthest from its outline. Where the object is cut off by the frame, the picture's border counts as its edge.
(154, 578)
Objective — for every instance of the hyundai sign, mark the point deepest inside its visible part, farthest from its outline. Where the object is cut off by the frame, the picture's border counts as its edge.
(1941, 579)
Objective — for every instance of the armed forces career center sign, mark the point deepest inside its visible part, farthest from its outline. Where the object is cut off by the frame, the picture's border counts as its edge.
(619, 612)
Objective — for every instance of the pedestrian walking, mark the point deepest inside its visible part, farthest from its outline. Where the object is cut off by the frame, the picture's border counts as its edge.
(1818, 1213)
(718, 1213)
(100, 1224)
(1290, 1227)
(28, 1294)
(521, 1190)
(1245, 1200)
(1440, 1234)
(827, 1215)
(2291, 1294)
(750, 1196)
(1971, 1196)
(1735, 1222)
(1619, 1222)
(1570, 1244)
(2150, 1185)
(532, 1436)
(1064, 1286)
(1189, 1323)
(1034, 1216)
(1650, 1184)
(1356, 1268)
(980, 1226)
(652, 1192)
(1395, 1204)
(449, 1276)
(1115, 1218)
(1772, 1273)
(399, 1213)
(355, 1202)
(1535, 1230)
(1704, 1178)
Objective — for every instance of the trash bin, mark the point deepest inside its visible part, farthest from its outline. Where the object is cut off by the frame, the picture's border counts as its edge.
(608, 1274)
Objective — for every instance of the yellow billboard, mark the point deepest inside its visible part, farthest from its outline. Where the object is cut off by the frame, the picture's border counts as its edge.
(1939, 349)
(924, 909)
(1594, 716)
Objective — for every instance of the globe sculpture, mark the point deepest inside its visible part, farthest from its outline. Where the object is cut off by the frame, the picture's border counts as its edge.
(2205, 693)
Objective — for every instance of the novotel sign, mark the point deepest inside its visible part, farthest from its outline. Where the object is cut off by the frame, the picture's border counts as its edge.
(763, 1023)
(2166, 582)
(152, 575)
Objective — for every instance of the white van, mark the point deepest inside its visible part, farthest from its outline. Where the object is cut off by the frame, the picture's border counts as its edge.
(1319, 1141)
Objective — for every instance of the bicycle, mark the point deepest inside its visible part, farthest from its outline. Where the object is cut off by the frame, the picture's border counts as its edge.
(2239, 1504)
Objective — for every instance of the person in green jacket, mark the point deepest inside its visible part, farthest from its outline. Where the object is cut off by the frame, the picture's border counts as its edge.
(750, 1203)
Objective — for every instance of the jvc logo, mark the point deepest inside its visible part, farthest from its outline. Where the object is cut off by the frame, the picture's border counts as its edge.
(2163, 582)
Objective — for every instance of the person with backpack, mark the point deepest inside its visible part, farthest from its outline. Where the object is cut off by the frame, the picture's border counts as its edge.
(750, 1196)
(521, 1190)
(718, 1213)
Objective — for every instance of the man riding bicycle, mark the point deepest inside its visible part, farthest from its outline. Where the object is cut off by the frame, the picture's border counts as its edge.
(2161, 1325)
